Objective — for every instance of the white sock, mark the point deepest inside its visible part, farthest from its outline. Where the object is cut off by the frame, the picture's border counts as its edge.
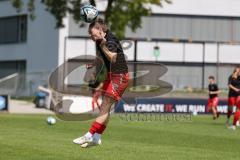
(96, 136)
(88, 135)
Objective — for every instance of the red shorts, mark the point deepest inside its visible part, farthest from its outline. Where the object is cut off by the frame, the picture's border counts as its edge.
(213, 102)
(115, 85)
(232, 101)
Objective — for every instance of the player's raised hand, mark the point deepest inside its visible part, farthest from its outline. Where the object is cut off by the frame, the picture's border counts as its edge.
(103, 39)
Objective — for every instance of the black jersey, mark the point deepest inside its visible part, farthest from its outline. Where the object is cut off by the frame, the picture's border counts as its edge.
(213, 87)
(235, 83)
(113, 45)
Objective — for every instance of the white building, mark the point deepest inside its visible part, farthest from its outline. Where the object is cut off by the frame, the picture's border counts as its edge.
(188, 33)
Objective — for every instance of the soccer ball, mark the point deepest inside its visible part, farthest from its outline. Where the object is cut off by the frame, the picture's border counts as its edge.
(88, 13)
(51, 120)
(195, 113)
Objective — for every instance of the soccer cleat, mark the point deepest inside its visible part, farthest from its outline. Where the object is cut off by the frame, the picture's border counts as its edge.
(82, 140)
(92, 143)
(237, 124)
(232, 127)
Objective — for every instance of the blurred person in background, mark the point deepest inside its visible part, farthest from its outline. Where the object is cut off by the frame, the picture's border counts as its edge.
(213, 100)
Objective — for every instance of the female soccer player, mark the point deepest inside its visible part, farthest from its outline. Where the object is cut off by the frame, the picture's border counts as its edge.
(233, 92)
(213, 97)
(235, 100)
(113, 57)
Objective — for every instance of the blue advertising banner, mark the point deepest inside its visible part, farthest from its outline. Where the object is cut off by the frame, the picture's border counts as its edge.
(168, 105)
(3, 103)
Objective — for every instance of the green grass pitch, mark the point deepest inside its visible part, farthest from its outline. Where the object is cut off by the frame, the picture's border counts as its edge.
(28, 137)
